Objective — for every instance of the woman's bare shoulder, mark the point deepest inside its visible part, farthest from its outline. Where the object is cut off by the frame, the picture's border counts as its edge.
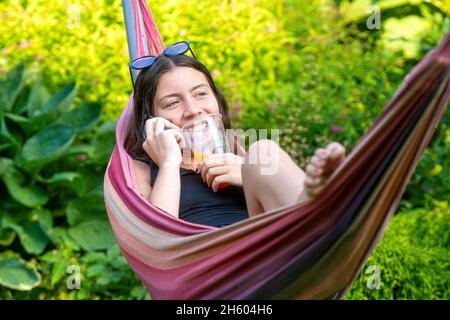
(143, 177)
(141, 164)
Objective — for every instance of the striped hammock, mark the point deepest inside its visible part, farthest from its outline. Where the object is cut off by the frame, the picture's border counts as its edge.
(301, 251)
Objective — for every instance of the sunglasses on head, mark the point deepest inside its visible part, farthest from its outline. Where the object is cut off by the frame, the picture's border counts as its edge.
(145, 62)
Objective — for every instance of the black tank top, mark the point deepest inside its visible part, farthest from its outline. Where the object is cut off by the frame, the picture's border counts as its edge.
(200, 204)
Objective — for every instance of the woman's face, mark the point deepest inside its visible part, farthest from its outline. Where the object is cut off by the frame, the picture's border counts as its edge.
(183, 94)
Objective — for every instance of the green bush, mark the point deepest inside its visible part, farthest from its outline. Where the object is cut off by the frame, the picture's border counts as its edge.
(311, 69)
(52, 207)
(413, 258)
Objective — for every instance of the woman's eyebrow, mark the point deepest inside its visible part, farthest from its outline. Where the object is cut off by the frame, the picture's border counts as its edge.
(177, 94)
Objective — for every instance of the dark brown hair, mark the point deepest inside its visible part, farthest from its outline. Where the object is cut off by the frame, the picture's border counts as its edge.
(144, 96)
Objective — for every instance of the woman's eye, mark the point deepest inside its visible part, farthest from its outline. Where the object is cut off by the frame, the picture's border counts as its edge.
(201, 94)
(172, 103)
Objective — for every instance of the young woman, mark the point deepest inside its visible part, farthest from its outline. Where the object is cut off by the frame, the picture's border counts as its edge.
(175, 88)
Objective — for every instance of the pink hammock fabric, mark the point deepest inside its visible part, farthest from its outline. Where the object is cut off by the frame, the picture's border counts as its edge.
(302, 251)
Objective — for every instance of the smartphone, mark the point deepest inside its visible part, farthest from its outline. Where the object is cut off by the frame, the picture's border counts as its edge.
(144, 133)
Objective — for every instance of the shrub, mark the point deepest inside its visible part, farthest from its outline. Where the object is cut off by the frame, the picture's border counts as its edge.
(413, 258)
(52, 209)
(311, 69)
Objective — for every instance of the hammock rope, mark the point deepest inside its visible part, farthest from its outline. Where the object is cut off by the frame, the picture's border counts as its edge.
(301, 251)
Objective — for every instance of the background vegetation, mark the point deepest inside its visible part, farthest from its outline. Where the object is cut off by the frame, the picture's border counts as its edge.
(310, 68)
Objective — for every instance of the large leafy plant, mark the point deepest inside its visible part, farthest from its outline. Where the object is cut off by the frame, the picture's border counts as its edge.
(51, 169)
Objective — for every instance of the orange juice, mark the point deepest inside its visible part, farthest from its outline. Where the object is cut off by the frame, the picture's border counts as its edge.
(198, 156)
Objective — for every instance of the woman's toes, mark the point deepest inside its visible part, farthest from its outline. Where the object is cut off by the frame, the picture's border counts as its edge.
(313, 171)
(311, 182)
(321, 153)
(337, 150)
(321, 166)
(317, 161)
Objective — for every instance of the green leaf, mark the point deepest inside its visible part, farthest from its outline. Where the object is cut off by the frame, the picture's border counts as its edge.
(83, 117)
(32, 237)
(59, 177)
(92, 180)
(58, 271)
(5, 165)
(34, 98)
(60, 236)
(11, 86)
(16, 274)
(45, 220)
(54, 107)
(93, 235)
(21, 101)
(18, 118)
(6, 237)
(6, 145)
(90, 207)
(104, 142)
(20, 189)
(48, 144)
(79, 149)
(95, 270)
(7, 139)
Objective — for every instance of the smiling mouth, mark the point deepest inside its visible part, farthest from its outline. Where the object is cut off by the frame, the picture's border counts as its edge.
(197, 127)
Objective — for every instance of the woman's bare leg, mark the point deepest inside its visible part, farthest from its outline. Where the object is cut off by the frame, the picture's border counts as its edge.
(271, 179)
(280, 184)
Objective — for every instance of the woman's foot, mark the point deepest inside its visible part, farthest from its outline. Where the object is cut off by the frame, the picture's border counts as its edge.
(321, 167)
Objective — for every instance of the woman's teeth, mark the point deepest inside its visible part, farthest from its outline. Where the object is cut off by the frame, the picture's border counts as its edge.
(198, 127)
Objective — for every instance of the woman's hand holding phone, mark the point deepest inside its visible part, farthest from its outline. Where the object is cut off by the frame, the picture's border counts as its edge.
(163, 142)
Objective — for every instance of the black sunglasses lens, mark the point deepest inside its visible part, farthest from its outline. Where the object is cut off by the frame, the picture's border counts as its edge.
(177, 48)
(142, 63)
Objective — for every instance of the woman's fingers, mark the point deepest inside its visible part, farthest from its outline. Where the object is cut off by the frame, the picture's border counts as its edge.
(213, 172)
(172, 134)
(166, 123)
(205, 167)
(159, 126)
(220, 159)
(211, 161)
(218, 180)
(181, 140)
(170, 125)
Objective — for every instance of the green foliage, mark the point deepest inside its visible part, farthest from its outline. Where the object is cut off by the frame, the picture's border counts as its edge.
(15, 274)
(413, 258)
(309, 68)
(104, 275)
(51, 183)
(84, 42)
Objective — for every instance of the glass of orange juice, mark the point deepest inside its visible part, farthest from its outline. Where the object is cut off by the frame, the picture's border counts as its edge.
(204, 136)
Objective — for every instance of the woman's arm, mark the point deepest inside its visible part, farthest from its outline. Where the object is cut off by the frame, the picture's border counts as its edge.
(166, 190)
(165, 193)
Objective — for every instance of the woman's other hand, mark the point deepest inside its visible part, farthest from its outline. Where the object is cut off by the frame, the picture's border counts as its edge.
(164, 142)
(219, 169)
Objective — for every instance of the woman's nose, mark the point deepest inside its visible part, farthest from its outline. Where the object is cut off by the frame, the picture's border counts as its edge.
(192, 109)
